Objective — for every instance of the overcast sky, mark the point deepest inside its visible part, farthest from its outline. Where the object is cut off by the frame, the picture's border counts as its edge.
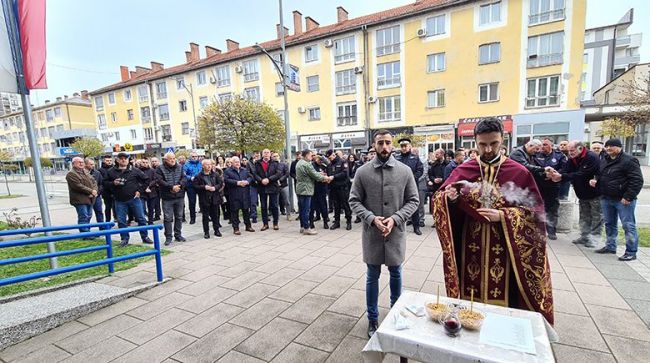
(87, 41)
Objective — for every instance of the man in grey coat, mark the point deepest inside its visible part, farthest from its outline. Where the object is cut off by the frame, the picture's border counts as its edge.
(384, 195)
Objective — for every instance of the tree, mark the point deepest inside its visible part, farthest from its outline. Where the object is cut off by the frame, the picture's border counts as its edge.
(45, 162)
(88, 147)
(636, 94)
(240, 125)
(616, 127)
(182, 152)
(416, 140)
(5, 157)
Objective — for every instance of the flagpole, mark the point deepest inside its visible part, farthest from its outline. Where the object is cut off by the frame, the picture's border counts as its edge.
(38, 173)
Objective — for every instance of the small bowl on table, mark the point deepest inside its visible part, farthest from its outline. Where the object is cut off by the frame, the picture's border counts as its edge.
(471, 320)
(436, 311)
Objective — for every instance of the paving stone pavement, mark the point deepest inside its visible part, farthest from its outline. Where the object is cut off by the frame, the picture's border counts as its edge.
(278, 296)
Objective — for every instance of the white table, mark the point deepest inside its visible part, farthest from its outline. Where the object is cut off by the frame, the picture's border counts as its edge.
(426, 340)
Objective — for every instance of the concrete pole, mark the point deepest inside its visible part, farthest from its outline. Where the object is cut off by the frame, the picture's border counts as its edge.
(287, 125)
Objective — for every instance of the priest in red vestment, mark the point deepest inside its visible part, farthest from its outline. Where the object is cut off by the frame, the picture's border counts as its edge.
(489, 216)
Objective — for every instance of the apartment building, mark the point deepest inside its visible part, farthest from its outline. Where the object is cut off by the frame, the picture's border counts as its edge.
(56, 125)
(9, 102)
(609, 52)
(432, 67)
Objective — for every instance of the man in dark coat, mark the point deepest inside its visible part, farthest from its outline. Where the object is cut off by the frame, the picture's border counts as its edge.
(150, 196)
(549, 158)
(107, 194)
(525, 156)
(319, 199)
(82, 190)
(339, 189)
(97, 206)
(436, 174)
(413, 162)
(284, 184)
(171, 182)
(238, 182)
(267, 174)
(209, 185)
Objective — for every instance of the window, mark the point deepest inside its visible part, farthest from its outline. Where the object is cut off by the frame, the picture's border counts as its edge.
(277, 58)
(111, 98)
(185, 128)
(388, 75)
(166, 132)
(436, 98)
(161, 90)
(436, 62)
(346, 82)
(314, 114)
(182, 106)
(388, 41)
(129, 114)
(389, 108)
(180, 83)
(57, 111)
(250, 70)
(145, 113)
(252, 94)
(344, 50)
(99, 105)
(104, 137)
(148, 134)
(489, 53)
(143, 93)
(311, 53)
(44, 133)
(127, 95)
(489, 13)
(200, 78)
(41, 114)
(543, 91)
(49, 115)
(134, 134)
(607, 95)
(313, 84)
(488, 92)
(101, 122)
(279, 89)
(203, 102)
(545, 49)
(225, 97)
(346, 114)
(50, 131)
(163, 112)
(117, 136)
(114, 116)
(223, 76)
(542, 11)
(59, 128)
(436, 25)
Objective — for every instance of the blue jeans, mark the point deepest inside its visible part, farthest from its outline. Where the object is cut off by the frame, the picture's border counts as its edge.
(98, 207)
(253, 207)
(191, 200)
(304, 204)
(84, 213)
(372, 288)
(135, 207)
(612, 211)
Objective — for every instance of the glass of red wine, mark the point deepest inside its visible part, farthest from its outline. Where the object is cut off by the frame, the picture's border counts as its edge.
(451, 322)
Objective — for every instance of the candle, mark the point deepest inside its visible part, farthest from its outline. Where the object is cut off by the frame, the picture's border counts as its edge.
(471, 301)
(438, 295)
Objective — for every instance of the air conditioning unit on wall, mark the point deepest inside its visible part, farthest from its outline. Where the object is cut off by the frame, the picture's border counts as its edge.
(422, 33)
(328, 43)
(239, 69)
(302, 109)
(372, 99)
(358, 70)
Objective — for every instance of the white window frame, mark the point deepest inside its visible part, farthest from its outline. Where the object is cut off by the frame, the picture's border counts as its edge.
(127, 95)
(311, 53)
(203, 102)
(180, 83)
(488, 89)
(313, 87)
(433, 62)
(433, 25)
(185, 128)
(252, 94)
(101, 122)
(201, 78)
(540, 15)
(182, 105)
(148, 133)
(129, 114)
(544, 98)
(49, 115)
(161, 90)
(251, 72)
(346, 82)
(134, 134)
(492, 48)
(114, 116)
(436, 97)
(99, 104)
(111, 95)
(143, 97)
(348, 118)
(541, 52)
(388, 40)
(389, 75)
(314, 113)
(146, 117)
(224, 97)
(489, 9)
(390, 108)
(160, 114)
(223, 76)
(344, 50)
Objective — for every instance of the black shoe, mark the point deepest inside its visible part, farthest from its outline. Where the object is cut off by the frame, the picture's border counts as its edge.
(417, 231)
(579, 241)
(372, 328)
(192, 221)
(184, 220)
(254, 220)
(605, 250)
(358, 220)
(316, 219)
(124, 243)
(311, 225)
(552, 237)
(217, 233)
(422, 224)
(283, 213)
(326, 225)
(181, 239)
(168, 241)
(206, 235)
(348, 226)
(335, 225)
(627, 257)
(147, 241)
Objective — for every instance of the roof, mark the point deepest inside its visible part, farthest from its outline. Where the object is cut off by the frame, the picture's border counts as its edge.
(620, 75)
(415, 8)
(78, 101)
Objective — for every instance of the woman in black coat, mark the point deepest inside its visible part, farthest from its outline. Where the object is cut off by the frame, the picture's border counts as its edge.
(209, 186)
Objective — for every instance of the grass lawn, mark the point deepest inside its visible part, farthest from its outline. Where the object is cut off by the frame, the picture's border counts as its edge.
(3, 226)
(11, 196)
(644, 235)
(41, 265)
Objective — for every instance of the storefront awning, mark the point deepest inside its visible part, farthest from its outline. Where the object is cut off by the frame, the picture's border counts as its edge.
(466, 125)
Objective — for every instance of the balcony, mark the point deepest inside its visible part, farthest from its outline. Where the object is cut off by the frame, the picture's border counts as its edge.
(624, 61)
(623, 41)
(546, 17)
(146, 119)
(167, 138)
(544, 60)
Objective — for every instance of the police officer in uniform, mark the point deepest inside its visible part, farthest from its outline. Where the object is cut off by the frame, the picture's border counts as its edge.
(413, 162)
(548, 158)
(339, 189)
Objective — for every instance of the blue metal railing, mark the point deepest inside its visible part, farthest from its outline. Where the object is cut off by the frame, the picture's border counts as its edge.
(105, 230)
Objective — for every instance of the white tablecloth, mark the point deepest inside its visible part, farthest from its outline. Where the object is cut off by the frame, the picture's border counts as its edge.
(426, 341)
